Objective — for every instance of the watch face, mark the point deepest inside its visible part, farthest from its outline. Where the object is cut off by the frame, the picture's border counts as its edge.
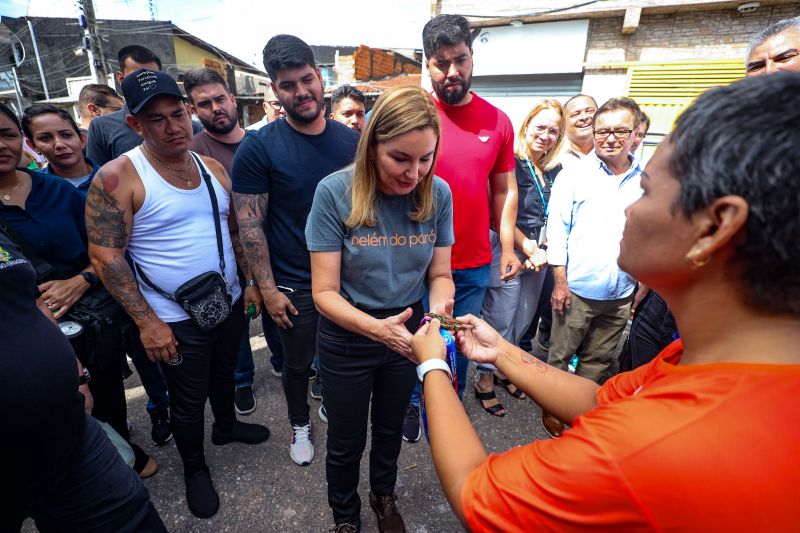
(70, 329)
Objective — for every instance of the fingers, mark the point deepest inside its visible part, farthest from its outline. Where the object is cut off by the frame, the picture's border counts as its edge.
(470, 320)
(291, 309)
(432, 328)
(423, 329)
(448, 307)
(46, 285)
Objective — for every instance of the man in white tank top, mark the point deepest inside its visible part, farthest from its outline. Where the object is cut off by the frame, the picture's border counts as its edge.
(154, 203)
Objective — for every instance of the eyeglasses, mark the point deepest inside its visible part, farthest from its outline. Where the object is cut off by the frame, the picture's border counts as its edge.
(620, 135)
(541, 129)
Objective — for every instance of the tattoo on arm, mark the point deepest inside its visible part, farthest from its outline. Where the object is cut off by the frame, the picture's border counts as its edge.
(529, 359)
(238, 251)
(251, 210)
(119, 279)
(105, 220)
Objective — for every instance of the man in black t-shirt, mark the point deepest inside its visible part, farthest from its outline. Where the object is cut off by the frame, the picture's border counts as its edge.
(275, 174)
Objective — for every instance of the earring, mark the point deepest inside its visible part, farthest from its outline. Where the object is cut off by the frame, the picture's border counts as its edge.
(697, 263)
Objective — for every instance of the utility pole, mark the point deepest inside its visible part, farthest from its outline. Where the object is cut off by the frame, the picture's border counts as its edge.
(91, 41)
(151, 5)
(38, 60)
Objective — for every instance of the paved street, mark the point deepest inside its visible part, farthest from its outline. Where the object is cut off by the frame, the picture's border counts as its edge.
(261, 489)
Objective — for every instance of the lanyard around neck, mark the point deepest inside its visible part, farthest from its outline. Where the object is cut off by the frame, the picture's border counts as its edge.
(538, 187)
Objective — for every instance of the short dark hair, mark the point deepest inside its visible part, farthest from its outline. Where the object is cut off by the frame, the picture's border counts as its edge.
(445, 30)
(201, 76)
(44, 109)
(284, 52)
(347, 91)
(138, 53)
(579, 96)
(615, 104)
(97, 94)
(644, 119)
(739, 140)
(7, 111)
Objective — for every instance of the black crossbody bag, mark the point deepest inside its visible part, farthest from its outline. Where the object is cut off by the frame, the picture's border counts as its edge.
(106, 326)
(205, 298)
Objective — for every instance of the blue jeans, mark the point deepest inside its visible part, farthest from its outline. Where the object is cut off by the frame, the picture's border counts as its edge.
(245, 368)
(151, 376)
(273, 339)
(471, 285)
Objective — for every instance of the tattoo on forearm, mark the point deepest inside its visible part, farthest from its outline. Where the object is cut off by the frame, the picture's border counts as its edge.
(251, 210)
(529, 359)
(119, 279)
(105, 220)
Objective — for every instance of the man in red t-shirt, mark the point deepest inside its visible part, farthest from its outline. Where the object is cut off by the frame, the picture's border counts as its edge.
(476, 158)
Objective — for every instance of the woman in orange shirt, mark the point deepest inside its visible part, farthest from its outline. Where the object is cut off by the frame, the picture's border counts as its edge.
(706, 436)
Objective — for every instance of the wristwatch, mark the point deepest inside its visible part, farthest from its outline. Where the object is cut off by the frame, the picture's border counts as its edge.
(432, 364)
(85, 376)
(90, 278)
(252, 283)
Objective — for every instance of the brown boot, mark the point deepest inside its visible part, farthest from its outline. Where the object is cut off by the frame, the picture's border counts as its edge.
(552, 425)
(389, 519)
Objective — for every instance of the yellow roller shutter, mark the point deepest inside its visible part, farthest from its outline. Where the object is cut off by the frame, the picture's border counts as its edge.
(663, 90)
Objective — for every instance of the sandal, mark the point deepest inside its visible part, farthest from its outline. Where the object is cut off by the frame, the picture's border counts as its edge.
(494, 410)
(507, 384)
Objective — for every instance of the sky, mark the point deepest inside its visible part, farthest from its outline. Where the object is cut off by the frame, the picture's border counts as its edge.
(242, 27)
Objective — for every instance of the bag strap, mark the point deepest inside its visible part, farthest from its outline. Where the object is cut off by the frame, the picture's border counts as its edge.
(217, 228)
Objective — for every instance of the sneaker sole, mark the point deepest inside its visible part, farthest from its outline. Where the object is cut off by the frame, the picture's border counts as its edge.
(301, 463)
(240, 412)
(322, 416)
(419, 436)
(316, 396)
(162, 442)
(276, 373)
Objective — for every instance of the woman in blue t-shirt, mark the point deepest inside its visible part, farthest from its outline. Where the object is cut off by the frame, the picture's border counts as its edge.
(45, 215)
(54, 133)
(379, 233)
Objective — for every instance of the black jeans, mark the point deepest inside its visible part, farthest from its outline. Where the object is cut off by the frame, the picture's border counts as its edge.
(298, 352)
(206, 372)
(653, 328)
(355, 368)
(98, 492)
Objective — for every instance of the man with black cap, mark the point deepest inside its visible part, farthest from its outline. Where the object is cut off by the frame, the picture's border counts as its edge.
(171, 210)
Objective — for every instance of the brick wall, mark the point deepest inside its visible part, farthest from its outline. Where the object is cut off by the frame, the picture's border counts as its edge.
(374, 63)
(719, 34)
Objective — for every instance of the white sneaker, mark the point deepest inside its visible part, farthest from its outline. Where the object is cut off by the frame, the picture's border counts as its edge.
(323, 414)
(301, 449)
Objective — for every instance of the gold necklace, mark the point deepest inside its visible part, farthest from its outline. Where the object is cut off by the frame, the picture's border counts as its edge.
(6, 195)
(174, 171)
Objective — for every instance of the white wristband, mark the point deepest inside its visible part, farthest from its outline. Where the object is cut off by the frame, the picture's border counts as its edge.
(432, 364)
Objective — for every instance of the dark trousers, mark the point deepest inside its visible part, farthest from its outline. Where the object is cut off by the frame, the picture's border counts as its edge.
(653, 328)
(152, 379)
(298, 352)
(273, 337)
(355, 369)
(97, 493)
(206, 372)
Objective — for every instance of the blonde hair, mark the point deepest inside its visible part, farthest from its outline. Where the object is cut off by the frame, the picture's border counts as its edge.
(398, 111)
(549, 159)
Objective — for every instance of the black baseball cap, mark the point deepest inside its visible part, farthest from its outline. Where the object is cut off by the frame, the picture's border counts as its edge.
(141, 85)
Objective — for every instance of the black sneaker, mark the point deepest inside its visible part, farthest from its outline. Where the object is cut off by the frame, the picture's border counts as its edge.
(203, 500)
(241, 432)
(411, 429)
(316, 387)
(312, 374)
(244, 401)
(389, 519)
(161, 432)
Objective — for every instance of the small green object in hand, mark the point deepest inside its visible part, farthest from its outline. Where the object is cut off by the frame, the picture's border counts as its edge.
(251, 311)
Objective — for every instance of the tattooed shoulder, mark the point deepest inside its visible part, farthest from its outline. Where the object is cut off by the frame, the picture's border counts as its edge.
(105, 220)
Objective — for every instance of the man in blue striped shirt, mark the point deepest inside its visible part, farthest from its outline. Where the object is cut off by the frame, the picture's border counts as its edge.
(592, 297)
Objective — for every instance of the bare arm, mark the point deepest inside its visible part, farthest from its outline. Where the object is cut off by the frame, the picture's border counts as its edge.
(109, 218)
(503, 187)
(325, 286)
(251, 211)
(440, 282)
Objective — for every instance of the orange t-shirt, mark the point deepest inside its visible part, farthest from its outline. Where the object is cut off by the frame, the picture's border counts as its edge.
(712, 447)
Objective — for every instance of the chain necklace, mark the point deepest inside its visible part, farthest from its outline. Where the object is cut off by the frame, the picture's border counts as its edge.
(6, 195)
(176, 172)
